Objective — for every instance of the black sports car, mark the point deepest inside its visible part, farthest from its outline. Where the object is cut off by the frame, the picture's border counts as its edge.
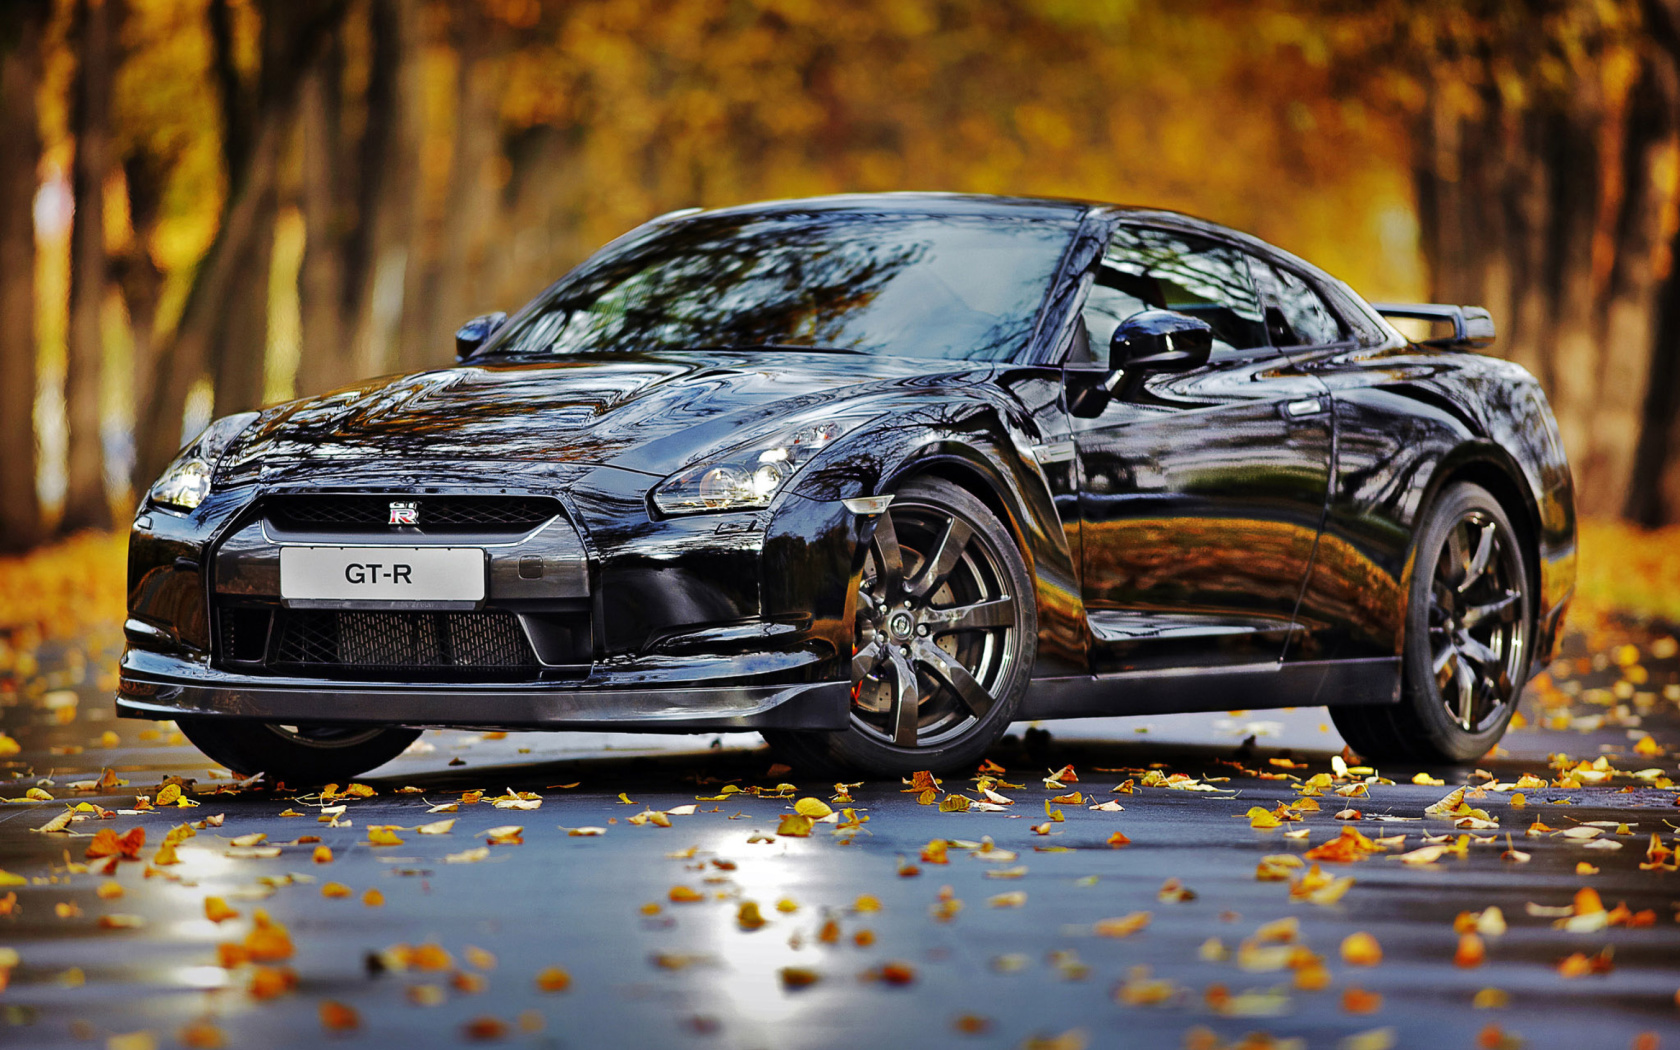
(874, 476)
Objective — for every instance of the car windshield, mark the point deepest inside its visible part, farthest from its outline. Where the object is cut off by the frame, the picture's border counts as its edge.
(934, 286)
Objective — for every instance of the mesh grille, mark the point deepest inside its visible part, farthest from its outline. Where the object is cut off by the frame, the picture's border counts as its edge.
(436, 513)
(401, 641)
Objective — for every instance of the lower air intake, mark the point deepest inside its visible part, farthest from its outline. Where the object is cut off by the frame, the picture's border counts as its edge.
(395, 642)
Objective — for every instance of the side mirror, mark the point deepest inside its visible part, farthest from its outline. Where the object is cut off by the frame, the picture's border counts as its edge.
(476, 332)
(1160, 341)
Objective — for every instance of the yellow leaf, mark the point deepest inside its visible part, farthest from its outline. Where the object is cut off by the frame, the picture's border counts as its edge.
(216, 910)
(168, 795)
(383, 835)
(815, 808)
(1361, 949)
(794, 825)
(748, 916)
(437, 827)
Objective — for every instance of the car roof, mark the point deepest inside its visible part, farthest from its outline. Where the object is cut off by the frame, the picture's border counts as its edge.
(978, 204)
(1055, 209)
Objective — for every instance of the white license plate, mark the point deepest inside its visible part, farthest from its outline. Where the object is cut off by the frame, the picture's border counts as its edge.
(382, 574)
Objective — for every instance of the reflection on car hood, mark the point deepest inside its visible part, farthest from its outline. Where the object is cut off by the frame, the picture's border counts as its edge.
(649, 413)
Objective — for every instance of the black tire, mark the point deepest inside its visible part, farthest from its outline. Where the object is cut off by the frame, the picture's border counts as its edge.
(1469, 631)
(937, 549)
(297, 755)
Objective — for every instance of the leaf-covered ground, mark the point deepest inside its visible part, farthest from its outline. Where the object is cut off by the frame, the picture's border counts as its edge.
(1199, 881)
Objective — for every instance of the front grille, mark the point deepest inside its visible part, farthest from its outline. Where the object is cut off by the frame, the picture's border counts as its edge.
(370, 513)
(480, 642)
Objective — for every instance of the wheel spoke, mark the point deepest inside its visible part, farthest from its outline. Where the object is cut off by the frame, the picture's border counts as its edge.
(943, 559)
(1501, 609)
(995, 612)
(1479, 560)
(889, 558)
(1466, 695)
(1447, 655)
(866, 659)
(906, 701)
(944, 666)
(1486, 658)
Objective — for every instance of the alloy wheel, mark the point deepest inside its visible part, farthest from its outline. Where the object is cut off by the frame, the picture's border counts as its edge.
(936, 627)
(1476, 628)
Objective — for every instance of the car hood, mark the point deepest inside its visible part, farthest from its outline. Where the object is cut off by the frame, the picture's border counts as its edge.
(647, 413)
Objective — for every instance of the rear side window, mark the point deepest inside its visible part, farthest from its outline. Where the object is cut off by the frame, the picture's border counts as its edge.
(1296, 315)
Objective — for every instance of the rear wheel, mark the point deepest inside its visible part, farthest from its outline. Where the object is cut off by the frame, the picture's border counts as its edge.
(1467, 639)
(944, 641)
(297, 754)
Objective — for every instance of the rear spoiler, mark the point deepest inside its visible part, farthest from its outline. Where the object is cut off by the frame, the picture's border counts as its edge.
(1472, 325)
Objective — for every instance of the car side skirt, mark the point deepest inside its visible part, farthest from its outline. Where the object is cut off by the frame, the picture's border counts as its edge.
(1372, 680)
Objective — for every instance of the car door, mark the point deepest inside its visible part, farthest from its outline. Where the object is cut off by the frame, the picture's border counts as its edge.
(1353, 605)
(1201, 492)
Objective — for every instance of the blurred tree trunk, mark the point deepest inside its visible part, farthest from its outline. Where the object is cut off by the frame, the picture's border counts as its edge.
(224, 308)
(20, 68)
(1654, 496)
(441, 291)
(1550, 207)
(358, 198)
(87, 503)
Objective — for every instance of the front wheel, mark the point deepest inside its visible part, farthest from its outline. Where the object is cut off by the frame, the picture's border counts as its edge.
(297, 755)
(1467, 645)
(944, 641)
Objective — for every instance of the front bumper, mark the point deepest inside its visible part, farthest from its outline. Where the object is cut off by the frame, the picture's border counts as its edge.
(162, 687)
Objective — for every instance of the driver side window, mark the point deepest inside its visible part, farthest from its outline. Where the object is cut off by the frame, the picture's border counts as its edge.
(1150, 269)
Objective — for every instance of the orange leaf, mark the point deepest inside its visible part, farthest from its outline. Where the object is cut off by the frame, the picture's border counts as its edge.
(336, 1017)
(1124, 926)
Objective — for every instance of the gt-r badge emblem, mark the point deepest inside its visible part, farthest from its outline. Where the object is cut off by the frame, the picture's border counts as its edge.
(405, 513)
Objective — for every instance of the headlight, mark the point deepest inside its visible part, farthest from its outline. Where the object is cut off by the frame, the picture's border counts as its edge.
(748, 477)
(186, 481)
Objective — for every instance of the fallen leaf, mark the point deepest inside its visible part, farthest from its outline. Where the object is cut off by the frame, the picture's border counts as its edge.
(437, 827)
(1361, 949)
(798, 977)
(1124, 926)
(216, 910)
(794, 825)
(336, 1017)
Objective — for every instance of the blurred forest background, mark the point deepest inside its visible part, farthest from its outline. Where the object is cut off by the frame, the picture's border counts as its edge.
(210, 205)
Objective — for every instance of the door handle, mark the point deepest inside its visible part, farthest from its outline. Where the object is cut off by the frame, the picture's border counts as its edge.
(1307, 406)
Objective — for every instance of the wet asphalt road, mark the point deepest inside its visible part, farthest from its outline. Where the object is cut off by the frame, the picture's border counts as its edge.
(648, 972)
